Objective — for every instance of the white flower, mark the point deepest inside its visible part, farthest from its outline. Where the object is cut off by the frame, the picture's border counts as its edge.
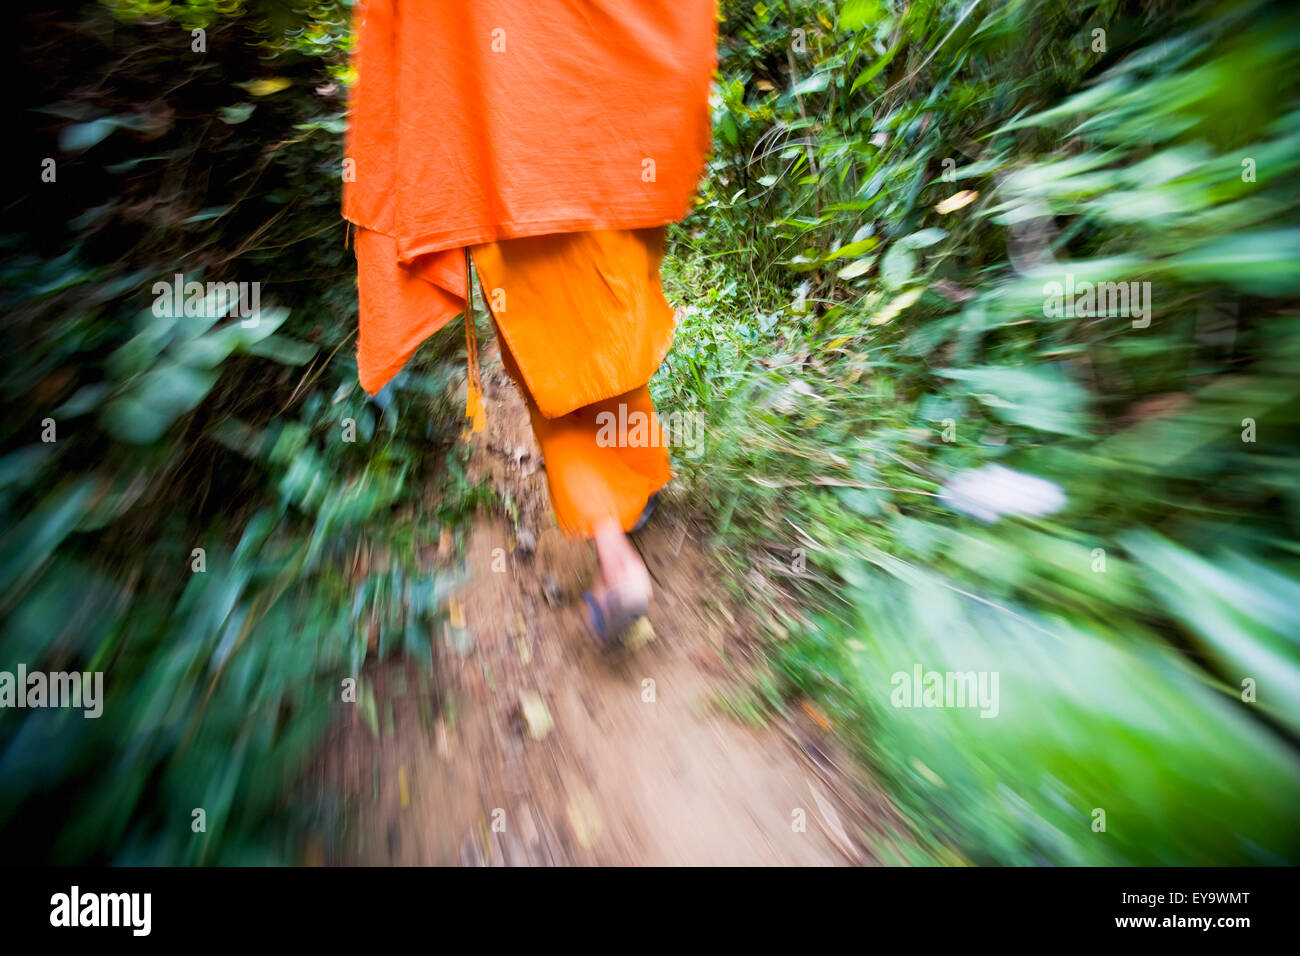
(992, 492)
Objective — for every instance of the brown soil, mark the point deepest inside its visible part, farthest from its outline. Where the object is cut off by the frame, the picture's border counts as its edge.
(639, 764)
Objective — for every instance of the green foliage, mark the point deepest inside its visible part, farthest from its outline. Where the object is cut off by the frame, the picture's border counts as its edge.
(852, 347)
(859, 330)
(209, 432)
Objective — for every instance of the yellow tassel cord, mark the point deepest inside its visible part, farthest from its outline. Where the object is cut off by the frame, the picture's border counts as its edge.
(475, 410)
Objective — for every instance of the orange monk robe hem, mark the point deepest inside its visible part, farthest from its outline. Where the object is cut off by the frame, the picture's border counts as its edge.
(589, 483)
(582, 313)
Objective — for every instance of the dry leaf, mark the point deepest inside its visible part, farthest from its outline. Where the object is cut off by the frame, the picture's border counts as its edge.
(536, 717)
(956, 201)
(640, 634)
(585, 819)
(515, 625)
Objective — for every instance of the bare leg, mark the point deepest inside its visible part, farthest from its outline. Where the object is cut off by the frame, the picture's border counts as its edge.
(621, 569)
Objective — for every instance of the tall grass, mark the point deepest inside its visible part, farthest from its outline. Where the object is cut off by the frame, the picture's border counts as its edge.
(894, 187)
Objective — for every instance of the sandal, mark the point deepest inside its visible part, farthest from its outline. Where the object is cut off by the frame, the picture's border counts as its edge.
(611, 618)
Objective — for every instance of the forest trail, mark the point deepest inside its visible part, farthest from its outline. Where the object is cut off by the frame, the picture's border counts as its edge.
(538, 748)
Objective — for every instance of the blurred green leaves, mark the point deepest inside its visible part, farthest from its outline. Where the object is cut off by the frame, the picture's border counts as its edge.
(181, 508)
(1129, 629)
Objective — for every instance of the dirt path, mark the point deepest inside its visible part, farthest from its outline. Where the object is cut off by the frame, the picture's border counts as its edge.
(539, 749)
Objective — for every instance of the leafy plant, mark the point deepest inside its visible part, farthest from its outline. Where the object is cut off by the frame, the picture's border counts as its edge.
(922, 172)
(205, 507)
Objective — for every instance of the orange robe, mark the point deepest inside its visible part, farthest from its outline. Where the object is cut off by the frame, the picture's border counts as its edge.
(594, 362)
(549, 137)
(474, 121)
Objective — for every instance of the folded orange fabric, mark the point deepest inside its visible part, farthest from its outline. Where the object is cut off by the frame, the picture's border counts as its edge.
(401, 304)
(590, 481)
(474, 121)
(583, 313)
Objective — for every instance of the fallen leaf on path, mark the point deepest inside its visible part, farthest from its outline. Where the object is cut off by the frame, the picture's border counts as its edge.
(585, 819)
(641, 634)
(536, 716)
(515, 625)
(455, 613)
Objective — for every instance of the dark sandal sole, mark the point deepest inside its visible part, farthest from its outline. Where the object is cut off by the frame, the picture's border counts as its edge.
(612, 625)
